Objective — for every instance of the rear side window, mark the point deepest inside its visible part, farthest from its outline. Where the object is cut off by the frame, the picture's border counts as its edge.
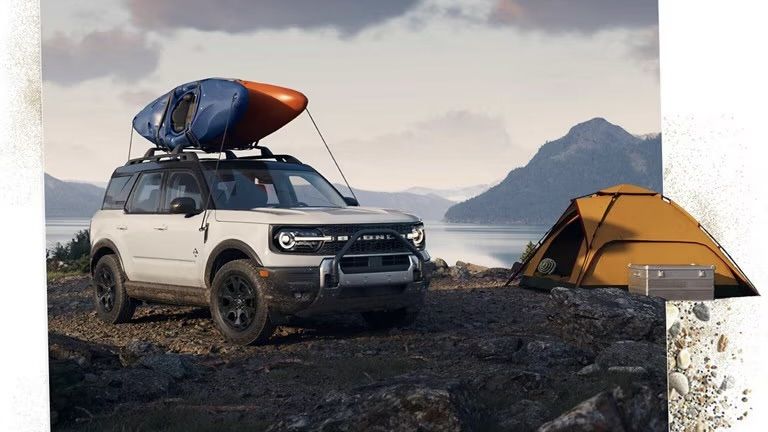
(117, 193)
(145, 197)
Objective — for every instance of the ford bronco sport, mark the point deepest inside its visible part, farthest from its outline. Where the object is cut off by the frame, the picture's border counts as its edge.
(257, 239)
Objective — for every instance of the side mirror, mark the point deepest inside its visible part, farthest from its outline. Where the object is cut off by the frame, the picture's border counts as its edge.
(351, 202)
(184, 205)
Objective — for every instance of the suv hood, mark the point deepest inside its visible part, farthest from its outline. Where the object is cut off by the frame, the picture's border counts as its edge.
(315, 216)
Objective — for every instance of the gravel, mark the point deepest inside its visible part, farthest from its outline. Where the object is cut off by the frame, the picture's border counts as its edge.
(703, 395)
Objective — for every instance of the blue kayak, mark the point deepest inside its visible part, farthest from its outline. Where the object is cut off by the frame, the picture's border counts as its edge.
(198, 114)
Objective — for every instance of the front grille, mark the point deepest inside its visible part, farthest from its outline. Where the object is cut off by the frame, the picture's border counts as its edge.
(387, 245)
(375, 264)
(363, 246)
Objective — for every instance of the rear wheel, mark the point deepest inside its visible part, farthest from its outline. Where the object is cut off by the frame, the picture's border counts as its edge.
(238, 304)
(392, 318)
(110, 299)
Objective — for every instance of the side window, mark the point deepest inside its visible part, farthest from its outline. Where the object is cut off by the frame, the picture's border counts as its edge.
(182, 184)
(145, 197)
(117, 192)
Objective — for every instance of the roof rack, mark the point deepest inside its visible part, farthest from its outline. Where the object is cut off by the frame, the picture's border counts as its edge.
(191, 154)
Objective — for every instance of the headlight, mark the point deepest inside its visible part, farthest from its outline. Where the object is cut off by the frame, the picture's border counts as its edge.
(418, 236)
(299, 239)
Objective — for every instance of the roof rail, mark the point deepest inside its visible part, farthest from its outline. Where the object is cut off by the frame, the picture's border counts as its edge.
(191, 154)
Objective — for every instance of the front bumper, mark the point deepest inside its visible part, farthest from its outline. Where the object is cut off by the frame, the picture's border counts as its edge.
(306, 291)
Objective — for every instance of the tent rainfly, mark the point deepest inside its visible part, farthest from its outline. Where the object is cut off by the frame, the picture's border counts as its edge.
(600, 234)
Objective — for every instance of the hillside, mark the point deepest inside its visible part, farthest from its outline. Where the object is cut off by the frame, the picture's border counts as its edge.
(71, 199)
(456, 195)
(427, 207)
(591, 156)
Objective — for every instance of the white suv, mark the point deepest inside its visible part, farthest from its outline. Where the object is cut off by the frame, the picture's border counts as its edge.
(277, 240)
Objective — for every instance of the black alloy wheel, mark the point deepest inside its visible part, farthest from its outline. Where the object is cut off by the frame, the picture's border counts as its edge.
(237, 302)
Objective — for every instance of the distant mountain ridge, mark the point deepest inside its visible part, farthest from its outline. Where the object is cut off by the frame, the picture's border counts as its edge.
(456, 195)
(428, 207)
(592, 155)
(71, 199)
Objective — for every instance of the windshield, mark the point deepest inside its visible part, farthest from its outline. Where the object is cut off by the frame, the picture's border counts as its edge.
(245, 188)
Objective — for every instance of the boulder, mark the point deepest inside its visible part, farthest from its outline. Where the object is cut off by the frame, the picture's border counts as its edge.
(137, 384)
(173, 365)
(471, 268)
(459, 273)
(495, 273)
(595, 318)
(134, 350)
(637, 409)
(629, 354)
(440, 264)
(523, 415)
(412, 403)
(599, 413)
(642, 408)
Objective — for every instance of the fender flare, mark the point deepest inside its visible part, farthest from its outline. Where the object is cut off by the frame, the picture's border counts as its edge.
(105, 243)
(224, 245)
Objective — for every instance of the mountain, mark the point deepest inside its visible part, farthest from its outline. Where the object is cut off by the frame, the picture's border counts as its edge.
(71, 199)
(457, 195)
(427, 207)
(593, 155)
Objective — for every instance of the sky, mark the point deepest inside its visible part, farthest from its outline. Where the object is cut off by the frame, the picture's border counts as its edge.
(430, 93)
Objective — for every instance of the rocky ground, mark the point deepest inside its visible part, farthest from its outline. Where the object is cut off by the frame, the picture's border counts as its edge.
(480, 357)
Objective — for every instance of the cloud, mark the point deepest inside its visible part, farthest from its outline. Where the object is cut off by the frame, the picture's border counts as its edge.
(115, 53)
(583, 16)
(644, 47)
(438, 152)
(348, 17)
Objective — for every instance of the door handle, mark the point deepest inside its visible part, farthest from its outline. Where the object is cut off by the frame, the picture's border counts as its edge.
(122, 227)
(161, 228)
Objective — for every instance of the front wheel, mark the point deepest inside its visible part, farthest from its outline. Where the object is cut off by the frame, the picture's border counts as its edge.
(392, 318)
(109, 297)
(239, 305)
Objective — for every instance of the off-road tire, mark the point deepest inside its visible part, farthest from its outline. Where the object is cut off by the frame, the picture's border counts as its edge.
(110, 300)
(380, 320)
(236, 291)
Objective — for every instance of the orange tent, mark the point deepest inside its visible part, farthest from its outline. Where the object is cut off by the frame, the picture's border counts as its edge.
(599, 235)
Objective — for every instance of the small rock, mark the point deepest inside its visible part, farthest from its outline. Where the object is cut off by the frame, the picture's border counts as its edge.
(722, 343)
(440, 264)
(679, 383)
(701, 311)
(589, 370)
(628, 370)
(728, 382)
(674, 330)
(673, 313)
(684, 359)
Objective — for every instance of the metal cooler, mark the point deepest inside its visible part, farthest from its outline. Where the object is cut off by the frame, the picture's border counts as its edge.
(673, 282)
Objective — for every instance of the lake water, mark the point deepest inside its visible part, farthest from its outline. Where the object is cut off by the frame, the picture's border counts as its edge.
(488, 245)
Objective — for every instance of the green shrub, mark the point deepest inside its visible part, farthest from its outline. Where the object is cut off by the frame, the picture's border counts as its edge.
(71, 257)
(529, 249)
